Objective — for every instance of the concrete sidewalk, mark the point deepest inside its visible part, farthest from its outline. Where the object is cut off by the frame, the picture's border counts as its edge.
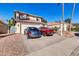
(64, 48)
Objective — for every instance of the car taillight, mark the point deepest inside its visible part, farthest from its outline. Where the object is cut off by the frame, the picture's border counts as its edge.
(29, 33)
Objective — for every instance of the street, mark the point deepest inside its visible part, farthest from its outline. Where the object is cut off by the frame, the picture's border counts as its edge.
(18, 44)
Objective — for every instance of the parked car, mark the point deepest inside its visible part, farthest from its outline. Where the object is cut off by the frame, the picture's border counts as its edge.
(46, 31)
(32, 32)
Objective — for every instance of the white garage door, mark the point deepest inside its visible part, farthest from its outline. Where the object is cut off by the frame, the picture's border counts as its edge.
(24, 26)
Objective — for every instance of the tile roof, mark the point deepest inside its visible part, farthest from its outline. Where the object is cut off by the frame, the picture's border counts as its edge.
(53, 23)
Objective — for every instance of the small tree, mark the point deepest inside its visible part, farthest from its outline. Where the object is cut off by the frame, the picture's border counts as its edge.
(76, 27)
(1, 22)
(10, 23)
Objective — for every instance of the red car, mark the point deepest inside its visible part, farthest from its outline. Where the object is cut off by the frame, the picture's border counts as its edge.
(46, 31)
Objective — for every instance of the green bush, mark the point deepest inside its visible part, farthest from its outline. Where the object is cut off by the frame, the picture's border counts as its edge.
(75, 29)
(55, 28)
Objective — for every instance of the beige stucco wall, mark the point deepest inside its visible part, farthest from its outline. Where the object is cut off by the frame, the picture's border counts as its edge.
(65, 27)
(17, 26)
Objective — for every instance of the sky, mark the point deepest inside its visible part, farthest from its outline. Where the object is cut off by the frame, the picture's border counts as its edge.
(51, 12)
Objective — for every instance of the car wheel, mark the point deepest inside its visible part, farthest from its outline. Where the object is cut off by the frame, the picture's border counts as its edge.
(44, 34)
(24, 33)
(28, 37)
(52, 34)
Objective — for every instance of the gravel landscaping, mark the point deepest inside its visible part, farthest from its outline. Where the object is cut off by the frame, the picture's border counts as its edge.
(12, 45)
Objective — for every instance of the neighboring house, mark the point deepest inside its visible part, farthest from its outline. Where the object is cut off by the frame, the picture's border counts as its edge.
(74, 25)
(24, 20)
(53, 24)
(57, 25)
(3, 27)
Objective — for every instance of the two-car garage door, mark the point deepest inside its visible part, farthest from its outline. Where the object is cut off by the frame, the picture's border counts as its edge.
(24, 26)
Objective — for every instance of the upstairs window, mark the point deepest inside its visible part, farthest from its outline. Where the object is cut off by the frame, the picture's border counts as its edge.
(23, 17)
(37, 19)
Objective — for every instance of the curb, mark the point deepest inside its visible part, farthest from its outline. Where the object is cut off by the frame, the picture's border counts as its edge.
(4, 35)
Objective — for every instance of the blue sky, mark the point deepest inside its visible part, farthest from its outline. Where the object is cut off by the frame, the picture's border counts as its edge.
(49, 11)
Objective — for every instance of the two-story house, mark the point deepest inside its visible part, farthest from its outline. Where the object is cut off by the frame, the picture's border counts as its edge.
(24, 20)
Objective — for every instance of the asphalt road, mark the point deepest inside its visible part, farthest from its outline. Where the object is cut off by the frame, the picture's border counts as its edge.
(67, 47)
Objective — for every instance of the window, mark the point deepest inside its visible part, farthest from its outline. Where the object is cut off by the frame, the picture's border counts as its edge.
(37, 19)
(23, 17)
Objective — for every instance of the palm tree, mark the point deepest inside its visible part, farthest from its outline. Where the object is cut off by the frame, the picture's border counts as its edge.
(62, 20)
(72, 15)
(68, 20)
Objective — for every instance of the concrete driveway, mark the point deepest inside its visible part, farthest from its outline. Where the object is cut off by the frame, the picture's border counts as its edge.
(39, 43)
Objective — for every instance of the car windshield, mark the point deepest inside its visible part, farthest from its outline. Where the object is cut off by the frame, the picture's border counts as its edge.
(34, 29)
